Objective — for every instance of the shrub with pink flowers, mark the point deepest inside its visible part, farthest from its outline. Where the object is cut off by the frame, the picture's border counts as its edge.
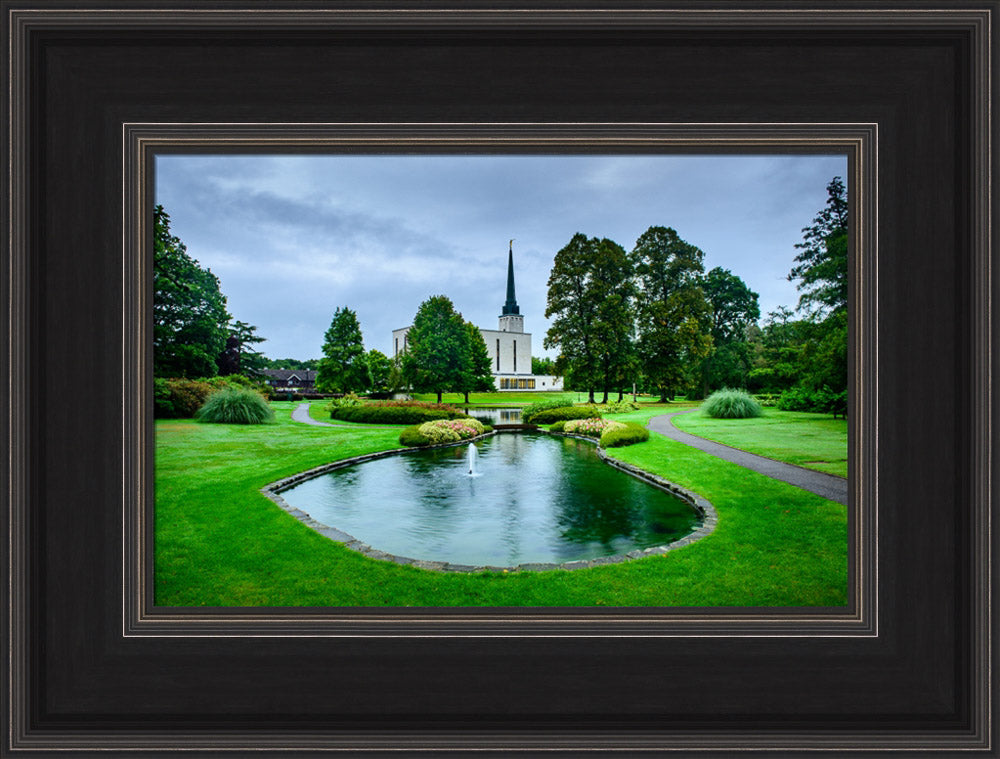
(591, 427)
(450, 430)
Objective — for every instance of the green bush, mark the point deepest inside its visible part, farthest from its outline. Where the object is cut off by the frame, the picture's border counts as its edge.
(632, 433)
(767, 400)
(561, 414)
(614, 407)
(557, 427)
(235, 406)
(529, 412)
(396, 412)
(822, 401)
(412, 438)
(731, 404)
(179, 398)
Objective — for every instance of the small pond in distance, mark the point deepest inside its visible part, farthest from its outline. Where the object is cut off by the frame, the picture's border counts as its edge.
(494, 414)
(534, 498)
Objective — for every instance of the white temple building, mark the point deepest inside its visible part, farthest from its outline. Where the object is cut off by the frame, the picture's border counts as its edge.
(509, 346)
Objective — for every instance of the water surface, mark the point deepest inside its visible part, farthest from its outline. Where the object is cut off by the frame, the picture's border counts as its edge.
(535, 498)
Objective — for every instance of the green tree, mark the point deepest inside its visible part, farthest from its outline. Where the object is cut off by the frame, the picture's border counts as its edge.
(779, 363)
(343, 368)
(476, 375)
(590, 302)
(543, 365)
(239, 357)
(674, 319)
(821, 264)
(189, 309)
(734, 310)
(437, 352)
(380, 370)
(291, 363)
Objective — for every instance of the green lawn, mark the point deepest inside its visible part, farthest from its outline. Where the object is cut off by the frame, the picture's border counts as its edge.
(219, 542)
(814, 441)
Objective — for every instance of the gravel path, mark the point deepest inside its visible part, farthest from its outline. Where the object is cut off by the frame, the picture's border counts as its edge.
(826, 485)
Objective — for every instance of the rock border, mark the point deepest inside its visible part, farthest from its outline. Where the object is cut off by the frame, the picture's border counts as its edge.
(698, 503)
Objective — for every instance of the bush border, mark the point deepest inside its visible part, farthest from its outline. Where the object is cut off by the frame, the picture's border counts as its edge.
(709, 515)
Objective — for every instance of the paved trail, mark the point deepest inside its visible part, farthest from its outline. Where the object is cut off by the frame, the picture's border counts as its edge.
(820, 483)
(301, 414)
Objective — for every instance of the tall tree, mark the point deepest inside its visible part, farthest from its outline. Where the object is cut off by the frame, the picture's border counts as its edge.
(437, 348)
(734, 310)
(821, 264)
(476, 375)
(380, 370)
(673, 315)
(239, 357)
(343, 368)
(189, 309)
(590, 302)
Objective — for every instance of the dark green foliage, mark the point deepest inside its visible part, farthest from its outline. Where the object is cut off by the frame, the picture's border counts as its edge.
(476, 374)
(343, 368)
(412, 438)
(821, 401)
(674, 319)
(291, 363)
(560, 414)
(543, 365)
(235, 406)
(731, 404)
(239, 357)
(380, 371)
(189, 310)
(632, 434)
(590, 300)
(533, 408)
(438, 352)
(821, 265)
(735, 312)
(179, 398)
(396, 412)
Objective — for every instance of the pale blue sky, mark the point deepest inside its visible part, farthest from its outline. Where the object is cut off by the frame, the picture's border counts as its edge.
(294, 237)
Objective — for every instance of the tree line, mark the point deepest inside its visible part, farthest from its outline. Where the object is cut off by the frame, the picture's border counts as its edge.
(654, 319)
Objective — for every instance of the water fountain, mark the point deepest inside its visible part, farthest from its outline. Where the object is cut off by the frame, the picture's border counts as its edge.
(472, 457)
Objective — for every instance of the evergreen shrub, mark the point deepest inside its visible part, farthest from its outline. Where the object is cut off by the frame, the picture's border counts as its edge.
(614, 407)
(560, 414)
(179, 398)
(235, 406)
(396, 412)
(528, 412)
(557, 427)
(822, 401)
(731, 404)
(632, 433)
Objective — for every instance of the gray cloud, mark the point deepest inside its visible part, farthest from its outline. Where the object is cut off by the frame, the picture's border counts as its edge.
(294, 237)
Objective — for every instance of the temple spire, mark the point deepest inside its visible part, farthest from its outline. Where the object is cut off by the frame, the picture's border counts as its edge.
(510, 307)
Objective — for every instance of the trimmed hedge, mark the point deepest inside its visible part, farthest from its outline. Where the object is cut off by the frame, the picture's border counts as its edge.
(731, 404)
(528, 412)
(235, 406)
(559, 414)
(632, 433)
(822, 401)
(557, 427)
(396, 412)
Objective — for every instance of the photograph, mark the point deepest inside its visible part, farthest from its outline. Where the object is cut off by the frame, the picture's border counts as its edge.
(418, 380)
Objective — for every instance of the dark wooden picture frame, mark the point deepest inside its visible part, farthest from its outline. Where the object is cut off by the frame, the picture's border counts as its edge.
(92, 665)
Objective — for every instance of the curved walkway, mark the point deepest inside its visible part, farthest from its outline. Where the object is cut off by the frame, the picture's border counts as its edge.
(822, 484)
(301, 414)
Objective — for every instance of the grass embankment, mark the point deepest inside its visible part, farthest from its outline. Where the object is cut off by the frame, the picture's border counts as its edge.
(814, 441)
(219, 542)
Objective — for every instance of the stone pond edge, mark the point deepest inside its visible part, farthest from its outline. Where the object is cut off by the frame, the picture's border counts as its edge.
(710, 518)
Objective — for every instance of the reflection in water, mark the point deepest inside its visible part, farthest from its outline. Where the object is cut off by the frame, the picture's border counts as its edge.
(537, 499)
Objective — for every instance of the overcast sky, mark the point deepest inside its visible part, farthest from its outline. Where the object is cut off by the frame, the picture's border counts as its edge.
(294, 237)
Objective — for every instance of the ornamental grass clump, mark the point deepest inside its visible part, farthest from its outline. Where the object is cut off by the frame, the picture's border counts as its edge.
(731, 404)
(235, 406)
(591, 427)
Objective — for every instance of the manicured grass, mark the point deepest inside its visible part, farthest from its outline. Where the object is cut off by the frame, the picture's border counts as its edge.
(814, 441)
(219, 542)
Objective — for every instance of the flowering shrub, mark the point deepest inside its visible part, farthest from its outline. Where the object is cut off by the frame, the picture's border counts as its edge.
(442, 431)
(591, 427)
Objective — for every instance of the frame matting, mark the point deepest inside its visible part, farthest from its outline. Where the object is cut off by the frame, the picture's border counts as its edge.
(96, 90)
